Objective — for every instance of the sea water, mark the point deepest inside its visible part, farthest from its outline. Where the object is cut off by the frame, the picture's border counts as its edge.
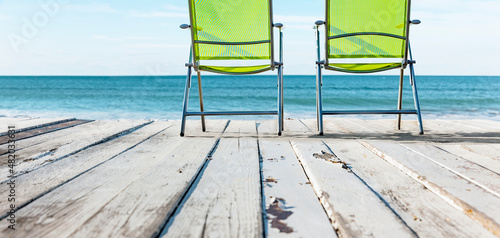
(161, 97)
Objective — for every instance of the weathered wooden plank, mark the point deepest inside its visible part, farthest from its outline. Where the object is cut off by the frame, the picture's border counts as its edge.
(485, 155)
(39, 130)
(129, 196)
(474, 173)
(460, 129)
(425, 212)
(4, 121)
(337, 125)
(407, 126)
(387, 128)
(474, 201)
(366, 129)
(46, 178)
(334, 129)
(435, 131)
(486, 124)
(475, 125)
(226, 201)
(409, 129)
(37, 151)
(141, 209)
(351, 205)
(135, 195)
(490, 150)
(459, 125)
(466, 131)
(32, 123)
(292, 208)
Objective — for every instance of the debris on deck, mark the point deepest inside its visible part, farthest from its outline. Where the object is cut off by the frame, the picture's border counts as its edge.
(123, 178)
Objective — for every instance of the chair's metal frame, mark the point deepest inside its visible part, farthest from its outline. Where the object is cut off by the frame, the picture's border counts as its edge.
(324, 64)
(193, 64)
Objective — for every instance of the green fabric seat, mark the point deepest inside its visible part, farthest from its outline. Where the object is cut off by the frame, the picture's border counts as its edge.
(236, 69)
(363, 68)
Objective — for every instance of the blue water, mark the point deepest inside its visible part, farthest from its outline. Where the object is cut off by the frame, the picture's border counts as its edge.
(148, 97)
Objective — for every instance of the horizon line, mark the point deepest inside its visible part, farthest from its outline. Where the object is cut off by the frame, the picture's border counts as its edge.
(225, 75)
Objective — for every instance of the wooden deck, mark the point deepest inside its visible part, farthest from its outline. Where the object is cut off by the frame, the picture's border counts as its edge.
(80, 178)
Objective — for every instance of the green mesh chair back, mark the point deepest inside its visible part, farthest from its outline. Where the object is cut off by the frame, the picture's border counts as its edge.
(366, 29)
(232, 30)
(366, 36)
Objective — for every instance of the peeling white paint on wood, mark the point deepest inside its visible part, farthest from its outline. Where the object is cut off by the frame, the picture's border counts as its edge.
(425, 212)
(291, 204)
(130, 195)
(87, 180)
(226, 201)
(46, 148)
(30, 123)
(50, 176)
(474, 201)
(354, 209)
(483, 155)
(481, 177)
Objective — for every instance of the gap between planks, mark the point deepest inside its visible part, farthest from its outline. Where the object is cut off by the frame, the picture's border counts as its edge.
(461, 200)
(44, 149)
(225, 201)
(123, 192)
(291, 207)
(31, 123)
(47, 178)
(354, 208)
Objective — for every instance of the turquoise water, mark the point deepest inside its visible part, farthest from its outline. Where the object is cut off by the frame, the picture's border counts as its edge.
(143, 97)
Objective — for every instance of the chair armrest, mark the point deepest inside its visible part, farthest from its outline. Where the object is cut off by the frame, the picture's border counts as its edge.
(280, 26)
(415, 22)
(320, 22)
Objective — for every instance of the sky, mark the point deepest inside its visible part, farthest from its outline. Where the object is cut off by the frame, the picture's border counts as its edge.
(111, 37)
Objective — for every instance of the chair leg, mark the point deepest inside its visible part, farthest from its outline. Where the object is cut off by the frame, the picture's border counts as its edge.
(400, 97)
(280, 102)
(319, 103)
(186, 98)
(415, 98)
(203, 127)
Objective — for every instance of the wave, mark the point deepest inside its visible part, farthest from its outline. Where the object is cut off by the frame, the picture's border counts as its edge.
(142, 97)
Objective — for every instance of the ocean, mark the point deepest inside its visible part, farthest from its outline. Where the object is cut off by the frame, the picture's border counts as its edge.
(160, 97)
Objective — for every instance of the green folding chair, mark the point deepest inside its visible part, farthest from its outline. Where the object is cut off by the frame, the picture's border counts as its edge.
(363, 36)
(228, 32)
